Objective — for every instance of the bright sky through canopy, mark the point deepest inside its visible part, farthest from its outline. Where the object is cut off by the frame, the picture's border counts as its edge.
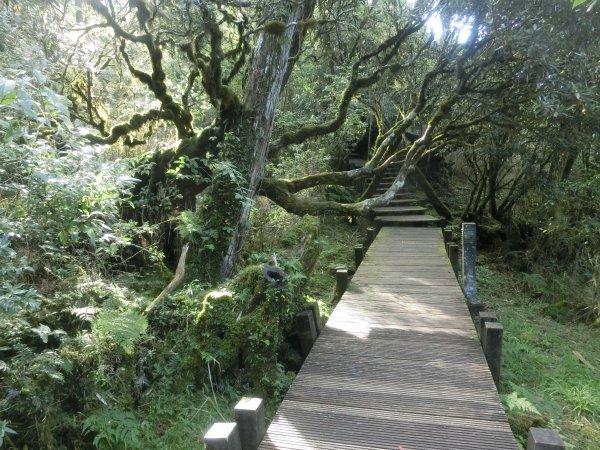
(461, 25)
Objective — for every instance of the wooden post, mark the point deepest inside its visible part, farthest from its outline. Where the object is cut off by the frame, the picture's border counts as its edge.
(359, 254)
(453, 255)
(341, 283)
(307, 331)
(544, 439)
(469, 252)
(250, 419)
(492, 348)
(223, 436)
(485, 316)
(447, 235)
(371, 232)
(314, 308)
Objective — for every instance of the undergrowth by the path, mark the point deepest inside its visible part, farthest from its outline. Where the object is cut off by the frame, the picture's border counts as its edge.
(543, 382)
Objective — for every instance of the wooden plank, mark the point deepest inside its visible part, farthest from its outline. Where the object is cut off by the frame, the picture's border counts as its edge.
(399, 332)
(403, 201)
(383, 279)
(433, 309)
(474, 374)
(348, 315)
(401, 265)
(370, 295)
(406, 220)
(413, 350)
(433, 272)
(391, 286)
(419, 402)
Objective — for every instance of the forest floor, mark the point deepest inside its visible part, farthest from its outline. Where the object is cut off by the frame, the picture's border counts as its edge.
(551, 368)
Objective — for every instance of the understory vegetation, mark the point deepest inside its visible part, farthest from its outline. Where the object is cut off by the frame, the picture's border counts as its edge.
(550, 371)
(180, 178)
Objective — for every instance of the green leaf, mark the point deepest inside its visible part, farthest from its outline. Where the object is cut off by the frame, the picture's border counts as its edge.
(59, 102)
(6, 87)
(576, 3)
(27, 104)
(42, 331)
(8, 93)
(4, 430)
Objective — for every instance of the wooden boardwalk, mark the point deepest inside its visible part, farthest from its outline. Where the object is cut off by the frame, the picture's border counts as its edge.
(398, 365)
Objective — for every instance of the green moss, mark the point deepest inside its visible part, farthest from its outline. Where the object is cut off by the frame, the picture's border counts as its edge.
(306, 226)
(276, 27)
(249, 323)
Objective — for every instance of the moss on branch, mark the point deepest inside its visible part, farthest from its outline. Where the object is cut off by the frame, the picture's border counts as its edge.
(136, 122)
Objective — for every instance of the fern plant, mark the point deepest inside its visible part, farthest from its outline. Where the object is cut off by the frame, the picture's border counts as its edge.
(114, 430)
(515, 402)
(123, 328)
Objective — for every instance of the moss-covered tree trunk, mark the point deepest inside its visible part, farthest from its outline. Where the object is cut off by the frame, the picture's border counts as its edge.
(269, 68)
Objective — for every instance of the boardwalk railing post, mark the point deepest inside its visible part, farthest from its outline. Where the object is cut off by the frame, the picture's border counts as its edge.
(223, 436)
(371, 232)
(469, 251)
(307, 331)
(453, 255)
(314, 308)
(544, 439)
(250, 419)
(492, 347)
(447, 235)
(485, 316)
(359, 254)
(469, 280)
(341, 283)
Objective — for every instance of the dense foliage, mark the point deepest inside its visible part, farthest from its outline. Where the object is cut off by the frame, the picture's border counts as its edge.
(131, 130)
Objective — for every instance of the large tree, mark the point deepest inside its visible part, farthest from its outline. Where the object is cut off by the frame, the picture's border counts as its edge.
(197, 84)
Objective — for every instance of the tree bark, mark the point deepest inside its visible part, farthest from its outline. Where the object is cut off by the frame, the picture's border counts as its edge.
(269, 68)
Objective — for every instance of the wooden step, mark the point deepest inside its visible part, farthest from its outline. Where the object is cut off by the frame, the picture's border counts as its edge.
(404, 202)
(413, 220)
(398, 210)
(401, 194)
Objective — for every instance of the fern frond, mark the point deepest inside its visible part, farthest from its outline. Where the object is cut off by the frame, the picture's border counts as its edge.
(124, 328)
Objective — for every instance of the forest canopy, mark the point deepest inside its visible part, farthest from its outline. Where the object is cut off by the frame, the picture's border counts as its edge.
(133, 129)
(198, 88)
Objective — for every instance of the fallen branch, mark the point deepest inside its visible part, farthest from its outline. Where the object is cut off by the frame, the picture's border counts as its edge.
(585, 362)
(175, 282)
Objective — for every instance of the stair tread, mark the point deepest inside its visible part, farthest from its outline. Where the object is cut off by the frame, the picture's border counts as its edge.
(401, 210)
(399, 195)
(410, 219)
(403, 202)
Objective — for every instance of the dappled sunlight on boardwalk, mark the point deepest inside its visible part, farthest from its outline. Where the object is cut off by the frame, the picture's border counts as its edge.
(359, 328)
(398, 365)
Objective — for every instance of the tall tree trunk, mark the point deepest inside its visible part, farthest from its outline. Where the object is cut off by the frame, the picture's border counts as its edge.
(269, 68)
